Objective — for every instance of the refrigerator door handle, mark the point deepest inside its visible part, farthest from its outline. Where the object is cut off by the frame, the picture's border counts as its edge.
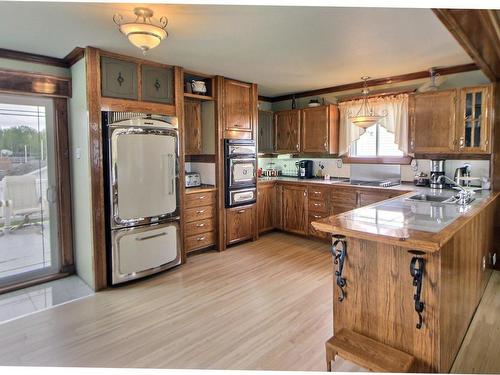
(168, 174)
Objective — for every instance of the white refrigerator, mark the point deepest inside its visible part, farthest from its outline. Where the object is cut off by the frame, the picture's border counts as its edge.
(143, 198)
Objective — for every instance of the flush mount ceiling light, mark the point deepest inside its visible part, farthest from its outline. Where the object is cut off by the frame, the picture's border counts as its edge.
(366, 116)
(142, 33)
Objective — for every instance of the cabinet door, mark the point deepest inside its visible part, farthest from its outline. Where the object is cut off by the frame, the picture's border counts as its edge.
(432, 122)
(295, 217)
(473, 130)
(315, 124)
(239, 224)
(238, 106)
(118, 78)
(192, 125)
(265, 132)
(287, 130)
(369, 197)
(157, 84)
(266, 207)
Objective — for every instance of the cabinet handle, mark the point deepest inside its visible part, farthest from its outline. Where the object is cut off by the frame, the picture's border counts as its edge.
(200, 225)
(200, 238)
(200, 211)
(202, 197)
(241, 211)
(486, 142)
(317, 204)
(317, 216)
(297, 146)
(325, 144)
(461, 143)
(305, 193)
(412, 144)
(317, 192)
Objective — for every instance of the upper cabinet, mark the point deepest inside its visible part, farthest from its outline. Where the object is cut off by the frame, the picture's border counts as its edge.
(432, 122)
(473, 128)
(320, 126)
(137, 80)
(265, 134)
(311, 130)
(451, 121)
(157, 84)
(240, 107)
(192, 127)
(287, 130)
(119, 78)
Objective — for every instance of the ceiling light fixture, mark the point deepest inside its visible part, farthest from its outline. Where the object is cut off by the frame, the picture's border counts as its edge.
(143, 33)
(366, 116)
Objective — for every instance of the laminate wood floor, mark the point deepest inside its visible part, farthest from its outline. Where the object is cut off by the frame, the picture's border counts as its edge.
(263, 305)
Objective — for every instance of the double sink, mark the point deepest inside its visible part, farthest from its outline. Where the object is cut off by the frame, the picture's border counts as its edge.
(434, 199)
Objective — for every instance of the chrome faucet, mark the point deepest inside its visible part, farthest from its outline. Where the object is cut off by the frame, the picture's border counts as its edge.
(464, 195)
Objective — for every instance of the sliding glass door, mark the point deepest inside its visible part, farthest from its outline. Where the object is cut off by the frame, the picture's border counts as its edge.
(28, 202)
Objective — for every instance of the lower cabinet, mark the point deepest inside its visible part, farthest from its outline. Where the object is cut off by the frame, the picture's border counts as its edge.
(266, 206)
(240, 223)
(295, 216)
(199, 220)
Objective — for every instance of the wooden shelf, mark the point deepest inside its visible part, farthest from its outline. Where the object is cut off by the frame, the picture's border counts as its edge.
(197, 96)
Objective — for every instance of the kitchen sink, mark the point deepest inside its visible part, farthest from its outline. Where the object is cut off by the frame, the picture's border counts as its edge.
(431, 198)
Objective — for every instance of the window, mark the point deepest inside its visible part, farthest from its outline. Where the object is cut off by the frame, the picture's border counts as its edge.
(375, 142)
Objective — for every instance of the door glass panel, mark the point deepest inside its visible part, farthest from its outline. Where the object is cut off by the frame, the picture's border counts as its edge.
(28, 225)
(468, 119)
(477, 118)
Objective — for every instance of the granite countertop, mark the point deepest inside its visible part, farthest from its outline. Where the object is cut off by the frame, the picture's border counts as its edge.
(424, 225)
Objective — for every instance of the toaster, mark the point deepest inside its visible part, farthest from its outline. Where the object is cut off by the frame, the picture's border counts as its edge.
(193, 179)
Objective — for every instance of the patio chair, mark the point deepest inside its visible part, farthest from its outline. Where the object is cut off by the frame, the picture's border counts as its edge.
(21, 199)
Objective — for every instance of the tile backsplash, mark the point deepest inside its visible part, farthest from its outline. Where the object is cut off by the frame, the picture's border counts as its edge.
(336, 168)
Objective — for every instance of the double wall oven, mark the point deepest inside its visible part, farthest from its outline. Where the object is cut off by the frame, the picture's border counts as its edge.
(240, 172)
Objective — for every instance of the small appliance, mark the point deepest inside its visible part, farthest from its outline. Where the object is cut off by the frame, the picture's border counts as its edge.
(462, 172)
(421, 179)
(193, 179)
(306, 169)
(437, 170)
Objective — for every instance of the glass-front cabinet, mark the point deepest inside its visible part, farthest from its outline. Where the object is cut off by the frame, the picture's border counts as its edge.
(473, 121)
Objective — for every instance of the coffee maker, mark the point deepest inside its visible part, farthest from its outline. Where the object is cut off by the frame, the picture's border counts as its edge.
(437, 170)
(306, 169)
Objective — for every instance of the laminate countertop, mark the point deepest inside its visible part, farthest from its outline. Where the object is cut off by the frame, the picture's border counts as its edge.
(420, 225)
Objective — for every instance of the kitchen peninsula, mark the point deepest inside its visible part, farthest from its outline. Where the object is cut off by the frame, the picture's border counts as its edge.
(410, 273)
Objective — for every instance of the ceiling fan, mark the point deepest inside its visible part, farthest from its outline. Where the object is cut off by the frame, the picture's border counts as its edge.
(435, 80)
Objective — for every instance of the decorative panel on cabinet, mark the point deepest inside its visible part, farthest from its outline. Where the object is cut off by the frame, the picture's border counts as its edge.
(473, 128)
(265, 132)
(238, 106)
(192, 126)
(432, 122)
(319, 129)
(287, 130)
(295, 215)
(240, 224)
(118, 78)
(266, 202)
(157, 84)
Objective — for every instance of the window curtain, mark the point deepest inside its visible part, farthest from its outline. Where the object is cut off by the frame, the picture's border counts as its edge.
(396, 121)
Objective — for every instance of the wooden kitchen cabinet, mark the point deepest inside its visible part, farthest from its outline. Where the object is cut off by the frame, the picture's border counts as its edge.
(266, 206)
(366, 197)
(287, 130)
(192, 127)
(199, 220)
(295, 209)
(265, 132)
(239, 107)
(119, 78)
(432, 122)
(157, 84)
(473, 120)
(318, 208)
(320, 129)
(240, 224)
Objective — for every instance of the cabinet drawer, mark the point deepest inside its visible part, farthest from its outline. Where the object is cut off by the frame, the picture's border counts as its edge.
(199, 241)
(318, 206)
(198, 213)
(200, 226)
(319, 193)
(118, 78)
(239, 224)
(199, 199)
(313, 232)
(338, 208)
(157, 84)
(344, 197)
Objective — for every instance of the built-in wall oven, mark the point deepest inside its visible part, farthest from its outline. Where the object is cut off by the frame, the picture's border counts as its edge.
(240, 172)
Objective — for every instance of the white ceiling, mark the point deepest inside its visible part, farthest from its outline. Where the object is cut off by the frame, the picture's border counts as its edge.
(282, 49)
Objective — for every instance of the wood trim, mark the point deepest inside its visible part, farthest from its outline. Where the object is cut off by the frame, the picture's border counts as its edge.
(377, 82)
(92, 59)
(32, 57)
(375, 94)
(404, 160)
(125, 105)
(475, 31)
(17, 82)
(456, 156)
(74, 56)
(131, 59)
(218, 94)
(179, 111)
(265, 98)
(65, 233)
(201, 158)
